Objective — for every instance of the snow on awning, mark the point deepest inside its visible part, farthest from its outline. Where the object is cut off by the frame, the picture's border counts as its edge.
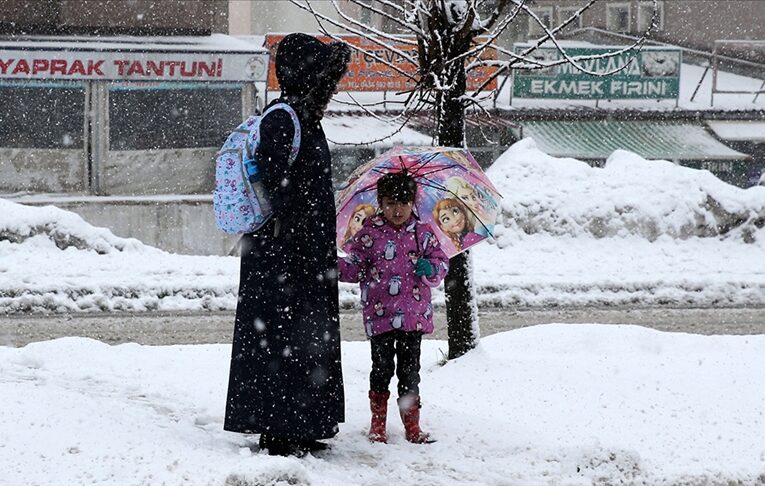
(650, 139)
(739, 130)
(366, 130)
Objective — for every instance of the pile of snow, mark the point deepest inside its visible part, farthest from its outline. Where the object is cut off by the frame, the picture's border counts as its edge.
(555, 404)
(51, 260)
(637, 232)
(63, 228)
(629, 196)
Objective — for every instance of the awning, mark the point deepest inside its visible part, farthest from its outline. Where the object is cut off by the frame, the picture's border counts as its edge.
(739, 130)
(655, 140)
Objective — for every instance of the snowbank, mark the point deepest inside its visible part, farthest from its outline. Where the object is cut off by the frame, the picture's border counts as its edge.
(51, 260)
(555, 404)
(637, 232)
(629, 196)
(63, 228)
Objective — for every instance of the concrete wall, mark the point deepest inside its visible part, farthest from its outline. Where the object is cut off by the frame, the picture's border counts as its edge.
(145, 172)
(178, 225)
(188, 17)
(43, 170)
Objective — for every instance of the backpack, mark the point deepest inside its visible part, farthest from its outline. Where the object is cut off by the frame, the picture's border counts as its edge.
(239, 200)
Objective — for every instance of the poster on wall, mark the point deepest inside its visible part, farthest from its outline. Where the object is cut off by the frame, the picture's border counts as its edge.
(369, 72)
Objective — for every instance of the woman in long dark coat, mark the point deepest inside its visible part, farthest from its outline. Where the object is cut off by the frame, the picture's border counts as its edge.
(286, 381)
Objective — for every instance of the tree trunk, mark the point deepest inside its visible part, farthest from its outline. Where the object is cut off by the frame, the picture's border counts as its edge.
(461, 308)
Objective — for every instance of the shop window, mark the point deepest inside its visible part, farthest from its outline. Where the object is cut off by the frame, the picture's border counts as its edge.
(618, 17)
(645, 13)
(545, 15)
(42, 115)
(172, 117)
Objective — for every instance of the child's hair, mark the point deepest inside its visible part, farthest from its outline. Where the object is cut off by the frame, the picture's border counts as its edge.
(398, 186)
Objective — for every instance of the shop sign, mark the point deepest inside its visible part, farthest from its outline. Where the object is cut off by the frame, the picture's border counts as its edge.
(368, 73)
(651, 73)
(131, 65)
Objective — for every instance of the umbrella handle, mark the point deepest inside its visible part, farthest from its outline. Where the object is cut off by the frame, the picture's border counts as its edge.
(428, 282)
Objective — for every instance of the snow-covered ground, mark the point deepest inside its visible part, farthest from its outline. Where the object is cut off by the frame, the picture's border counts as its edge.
(553, 404)
(635, 232)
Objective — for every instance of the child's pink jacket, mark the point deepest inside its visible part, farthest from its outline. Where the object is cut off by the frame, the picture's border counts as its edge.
(382, 260)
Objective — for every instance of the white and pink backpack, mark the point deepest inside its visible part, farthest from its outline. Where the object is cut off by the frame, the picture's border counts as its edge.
(239, 200)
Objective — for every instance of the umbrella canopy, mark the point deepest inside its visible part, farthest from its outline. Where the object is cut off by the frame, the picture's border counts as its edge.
(453, 195)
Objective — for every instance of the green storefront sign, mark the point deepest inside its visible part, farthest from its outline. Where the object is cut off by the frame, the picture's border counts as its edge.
(651, 73)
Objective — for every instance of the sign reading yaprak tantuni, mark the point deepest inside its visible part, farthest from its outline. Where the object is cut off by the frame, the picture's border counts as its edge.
(370, 67)
(650, 73)
(131, 65)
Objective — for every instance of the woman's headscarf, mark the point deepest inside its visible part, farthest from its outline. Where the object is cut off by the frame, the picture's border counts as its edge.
(309, 70)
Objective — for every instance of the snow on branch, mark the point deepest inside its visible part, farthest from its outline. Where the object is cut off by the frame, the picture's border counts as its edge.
(550, 35)
(374, 31)
(403, 23)
(495, 14)
(488, 43)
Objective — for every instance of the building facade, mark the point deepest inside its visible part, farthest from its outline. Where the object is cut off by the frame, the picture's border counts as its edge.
(133, 150)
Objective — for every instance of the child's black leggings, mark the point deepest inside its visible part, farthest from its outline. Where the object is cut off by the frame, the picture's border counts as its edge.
(404, 347)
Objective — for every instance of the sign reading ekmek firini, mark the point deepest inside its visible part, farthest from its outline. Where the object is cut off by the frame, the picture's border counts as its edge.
(132, 65)
(651, 73)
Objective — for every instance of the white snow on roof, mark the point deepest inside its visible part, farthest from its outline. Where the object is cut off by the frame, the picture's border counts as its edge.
(749, 130)
(210, 43)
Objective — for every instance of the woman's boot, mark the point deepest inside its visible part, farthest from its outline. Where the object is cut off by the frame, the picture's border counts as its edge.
(409, 407)
(378, 403)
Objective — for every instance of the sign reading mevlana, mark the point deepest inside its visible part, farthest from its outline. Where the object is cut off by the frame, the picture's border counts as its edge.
(651, 73)
(132, 66)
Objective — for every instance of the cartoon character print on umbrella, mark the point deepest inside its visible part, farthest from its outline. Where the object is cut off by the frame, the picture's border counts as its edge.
(481, 207)
(360, 213)
(452, 217)
(440, 173)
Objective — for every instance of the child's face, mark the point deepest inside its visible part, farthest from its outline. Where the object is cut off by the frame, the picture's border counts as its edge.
(451, 220)
(395, 212)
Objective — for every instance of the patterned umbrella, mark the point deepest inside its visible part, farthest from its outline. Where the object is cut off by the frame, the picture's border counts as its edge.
(454, 195)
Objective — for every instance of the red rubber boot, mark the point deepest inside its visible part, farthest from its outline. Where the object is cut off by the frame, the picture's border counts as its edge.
(409, 407)
(378, 403)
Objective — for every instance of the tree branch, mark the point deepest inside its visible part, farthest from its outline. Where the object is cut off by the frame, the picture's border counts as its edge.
(320, 17)
(487, 25)
(480, 47)
(414, 28)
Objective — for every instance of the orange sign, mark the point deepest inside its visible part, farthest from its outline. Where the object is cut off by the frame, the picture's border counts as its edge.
(366, 73)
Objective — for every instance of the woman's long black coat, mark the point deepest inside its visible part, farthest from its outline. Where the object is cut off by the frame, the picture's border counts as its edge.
(285, 376)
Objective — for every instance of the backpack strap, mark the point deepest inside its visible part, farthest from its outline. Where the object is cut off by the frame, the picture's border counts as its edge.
(296, 138)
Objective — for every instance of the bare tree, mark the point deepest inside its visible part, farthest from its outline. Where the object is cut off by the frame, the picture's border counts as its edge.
(451, 37)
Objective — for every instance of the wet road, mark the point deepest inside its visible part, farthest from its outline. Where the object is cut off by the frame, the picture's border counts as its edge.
(209, 327)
